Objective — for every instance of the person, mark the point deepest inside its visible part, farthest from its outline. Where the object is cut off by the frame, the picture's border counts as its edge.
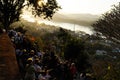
(39, 54)
(30, 70)
(32, 53)
(82, 76)
(73, 70)
(42, 76)
(48, 76)
(24, 56)
(37, 66)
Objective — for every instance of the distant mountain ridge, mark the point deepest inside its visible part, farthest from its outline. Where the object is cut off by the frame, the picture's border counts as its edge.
(80, 19)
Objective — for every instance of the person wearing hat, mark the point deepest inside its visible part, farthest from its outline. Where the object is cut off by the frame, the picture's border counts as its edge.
(37, 66)
(32, 53)
(30, 70)
(24, 57)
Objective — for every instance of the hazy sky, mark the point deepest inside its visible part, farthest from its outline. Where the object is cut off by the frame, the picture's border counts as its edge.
(96, 7)
(81, 6)
(86, 6)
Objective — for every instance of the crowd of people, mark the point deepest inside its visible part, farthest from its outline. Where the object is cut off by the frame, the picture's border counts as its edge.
(35, 64)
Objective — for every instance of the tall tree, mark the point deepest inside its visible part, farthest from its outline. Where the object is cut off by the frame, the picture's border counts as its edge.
(10, 10)
(109, 24)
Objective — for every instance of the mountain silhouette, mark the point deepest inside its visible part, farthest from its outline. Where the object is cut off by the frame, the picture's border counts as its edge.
(80, 19)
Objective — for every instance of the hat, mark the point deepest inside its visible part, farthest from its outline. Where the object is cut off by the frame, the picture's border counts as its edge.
(37, 59)
(30, 59)
(32, 51)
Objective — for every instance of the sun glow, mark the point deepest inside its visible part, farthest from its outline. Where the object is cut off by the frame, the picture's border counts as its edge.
(27, 15)
(41, 2)
(28, 18)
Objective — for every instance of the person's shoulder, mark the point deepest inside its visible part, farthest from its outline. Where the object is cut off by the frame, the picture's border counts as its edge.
(39, 76)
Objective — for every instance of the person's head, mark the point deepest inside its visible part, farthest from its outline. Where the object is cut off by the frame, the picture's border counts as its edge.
(37, 60)
(24, 50)
(4, 31)
(19, 34)
(47, 72)
(29, 60)
(32, 52)
(72, 64)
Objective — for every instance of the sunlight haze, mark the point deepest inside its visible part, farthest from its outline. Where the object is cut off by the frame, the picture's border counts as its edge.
(78, 14)
(86, 6)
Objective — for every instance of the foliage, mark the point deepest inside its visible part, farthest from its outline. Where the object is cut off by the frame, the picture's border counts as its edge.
(20, 29)
(42, 8)
(64, 44)
(109, 24)
(74, 50)
(10, 10)
(106, 70)
(71, 46)
(64, 37)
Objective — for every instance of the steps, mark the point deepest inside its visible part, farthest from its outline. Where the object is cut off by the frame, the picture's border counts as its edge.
(8, 65)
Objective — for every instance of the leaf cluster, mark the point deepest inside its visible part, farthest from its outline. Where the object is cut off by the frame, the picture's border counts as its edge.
(44, 9)
(109, 24)
(10, 10)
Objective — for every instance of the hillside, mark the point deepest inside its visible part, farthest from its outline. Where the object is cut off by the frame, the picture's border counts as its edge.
(80, 19)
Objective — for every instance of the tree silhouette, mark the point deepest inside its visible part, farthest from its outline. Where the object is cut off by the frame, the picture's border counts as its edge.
(10, 10)
(109, 24)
